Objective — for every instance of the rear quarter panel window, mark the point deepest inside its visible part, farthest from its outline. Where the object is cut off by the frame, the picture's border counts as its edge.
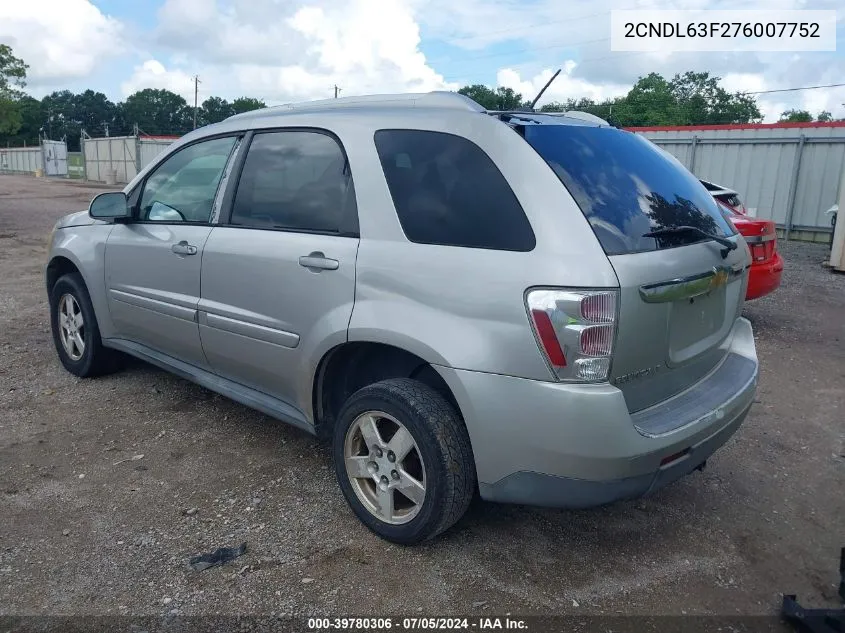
(447, 191)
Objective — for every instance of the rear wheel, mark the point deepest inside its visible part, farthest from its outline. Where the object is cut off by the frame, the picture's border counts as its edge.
(75, 331)
(403, 460)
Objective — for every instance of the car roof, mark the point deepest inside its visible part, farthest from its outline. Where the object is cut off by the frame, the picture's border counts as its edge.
(435, 99)
(440, 100)
(407, 110)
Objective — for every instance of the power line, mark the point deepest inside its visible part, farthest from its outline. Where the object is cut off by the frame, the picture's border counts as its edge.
(762, 92)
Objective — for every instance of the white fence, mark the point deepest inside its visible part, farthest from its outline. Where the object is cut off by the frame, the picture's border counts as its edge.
(125, 155)
(118, 153)
(50, 157)
(21, 160)
(788, 173)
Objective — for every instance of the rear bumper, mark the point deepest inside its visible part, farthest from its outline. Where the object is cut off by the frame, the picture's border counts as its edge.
(567, 492)
(565, 445)
(764, 278)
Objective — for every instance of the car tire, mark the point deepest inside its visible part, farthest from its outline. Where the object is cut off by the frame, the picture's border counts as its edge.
(82, 355)
(440, 459)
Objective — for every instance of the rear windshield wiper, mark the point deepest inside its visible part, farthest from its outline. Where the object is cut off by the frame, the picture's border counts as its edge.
(674, 230)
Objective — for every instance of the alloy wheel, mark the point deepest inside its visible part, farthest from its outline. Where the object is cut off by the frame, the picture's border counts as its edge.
(71, 327)
(385, 467)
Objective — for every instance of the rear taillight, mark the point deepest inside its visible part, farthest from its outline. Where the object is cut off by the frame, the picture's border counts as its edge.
(758, 252)
(762, 246)
(575, 330)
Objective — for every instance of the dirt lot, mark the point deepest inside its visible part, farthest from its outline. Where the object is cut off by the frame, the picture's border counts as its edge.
(83, 533)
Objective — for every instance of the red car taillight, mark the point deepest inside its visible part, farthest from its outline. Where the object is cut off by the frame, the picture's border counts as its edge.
(763, 246)
(575, 330)
(548, 339)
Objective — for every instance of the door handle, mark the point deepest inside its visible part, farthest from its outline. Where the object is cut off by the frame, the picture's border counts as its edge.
(317, 261)
(183, 248)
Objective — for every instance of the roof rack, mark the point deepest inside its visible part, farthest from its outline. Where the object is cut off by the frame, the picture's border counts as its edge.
(434, 99)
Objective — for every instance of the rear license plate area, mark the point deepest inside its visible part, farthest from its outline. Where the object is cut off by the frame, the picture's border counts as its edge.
(693, 323)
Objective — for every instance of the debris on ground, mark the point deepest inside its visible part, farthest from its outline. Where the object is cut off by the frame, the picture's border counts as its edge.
(818, 620)
(134, 458)
(219, 556)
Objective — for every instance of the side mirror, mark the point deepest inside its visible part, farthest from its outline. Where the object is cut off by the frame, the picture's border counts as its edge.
(112, 204)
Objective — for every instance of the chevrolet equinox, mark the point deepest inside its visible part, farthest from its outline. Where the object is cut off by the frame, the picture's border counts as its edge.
(541, 308)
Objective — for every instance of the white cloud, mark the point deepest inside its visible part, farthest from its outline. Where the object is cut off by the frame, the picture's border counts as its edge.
(291, 50)
(564, 87)
(543, 34)
(153, 74)
(59, 39)
(260, 49)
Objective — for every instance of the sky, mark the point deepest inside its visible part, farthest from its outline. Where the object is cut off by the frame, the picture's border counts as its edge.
(285, 51)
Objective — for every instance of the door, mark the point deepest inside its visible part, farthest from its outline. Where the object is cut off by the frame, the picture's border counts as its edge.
(55, 158)
(153, 262)
(278, 276)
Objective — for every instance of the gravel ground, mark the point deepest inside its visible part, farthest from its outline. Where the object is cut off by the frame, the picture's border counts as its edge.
(108, 486)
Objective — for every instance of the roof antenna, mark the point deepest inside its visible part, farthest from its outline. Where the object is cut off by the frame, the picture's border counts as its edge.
(540, 94)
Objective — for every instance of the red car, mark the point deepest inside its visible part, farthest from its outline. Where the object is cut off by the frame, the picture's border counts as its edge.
(760, 235)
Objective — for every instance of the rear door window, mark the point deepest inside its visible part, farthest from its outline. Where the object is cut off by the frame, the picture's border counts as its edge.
(297, 181)
(627, 187)
(447, 191)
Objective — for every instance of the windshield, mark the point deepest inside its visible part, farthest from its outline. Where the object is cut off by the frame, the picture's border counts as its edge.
(627, 187)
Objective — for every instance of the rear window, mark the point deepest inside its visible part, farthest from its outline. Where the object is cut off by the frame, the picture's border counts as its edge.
(447, 191)
(627, 187)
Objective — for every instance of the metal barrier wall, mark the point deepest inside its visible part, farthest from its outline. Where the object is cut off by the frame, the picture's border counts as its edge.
(21, 160)
(126, 155)
(790, 173)
(50, 157)
(118, 153)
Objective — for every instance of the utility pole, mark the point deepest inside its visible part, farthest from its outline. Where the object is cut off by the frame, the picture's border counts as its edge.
(336, 90)
(196, 91)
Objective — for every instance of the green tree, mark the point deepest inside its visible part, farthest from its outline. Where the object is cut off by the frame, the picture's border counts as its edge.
(157, 111)
(603, 110)
(499, 99)
(61, 118)
(649, 102)
(214, 110)
(247, 104)
(12, 79)
(795, 116)
(66, 114)
(93, 110)
(824, 116)
(700, 100)
(32, 119)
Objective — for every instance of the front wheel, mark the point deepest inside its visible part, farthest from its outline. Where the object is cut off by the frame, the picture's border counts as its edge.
(75, 330)
(403, 460)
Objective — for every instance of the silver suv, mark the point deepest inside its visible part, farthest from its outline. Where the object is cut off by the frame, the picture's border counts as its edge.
(541, 308)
